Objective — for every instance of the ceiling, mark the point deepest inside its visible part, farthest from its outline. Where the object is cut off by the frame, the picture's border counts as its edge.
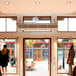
(46, 7)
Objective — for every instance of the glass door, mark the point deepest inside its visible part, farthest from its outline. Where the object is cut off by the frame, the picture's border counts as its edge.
(37, 57)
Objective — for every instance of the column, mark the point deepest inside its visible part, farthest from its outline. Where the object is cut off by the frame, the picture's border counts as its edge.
(54, 57)
(20, 56)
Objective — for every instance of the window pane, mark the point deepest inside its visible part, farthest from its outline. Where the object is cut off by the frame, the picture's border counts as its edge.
(2, 24)
(43, 21)
(11, 25)
(72, 24)
(11, 45)
(28, 21)
(62, 25)
(63, 51)
(37, 20)
(60, 60)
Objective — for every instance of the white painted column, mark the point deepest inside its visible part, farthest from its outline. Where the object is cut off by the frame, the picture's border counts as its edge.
(54, 57)
(20, 55)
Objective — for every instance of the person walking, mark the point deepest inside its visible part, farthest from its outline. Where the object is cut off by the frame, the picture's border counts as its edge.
(4, 59)
(70, 59)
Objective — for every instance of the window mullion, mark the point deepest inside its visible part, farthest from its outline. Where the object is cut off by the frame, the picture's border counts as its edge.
(68, 24)
(5, 24)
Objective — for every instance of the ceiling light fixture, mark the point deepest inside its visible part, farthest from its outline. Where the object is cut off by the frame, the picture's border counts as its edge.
(68, 2)
(37, 2)
(6, 2)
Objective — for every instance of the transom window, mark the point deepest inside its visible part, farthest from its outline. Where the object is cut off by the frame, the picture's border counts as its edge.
(37, 20)
(66, 23)
(8, 24)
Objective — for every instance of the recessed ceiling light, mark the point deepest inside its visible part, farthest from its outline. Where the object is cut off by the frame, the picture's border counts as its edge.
(37, 2)
(68, 2)
(6, 2)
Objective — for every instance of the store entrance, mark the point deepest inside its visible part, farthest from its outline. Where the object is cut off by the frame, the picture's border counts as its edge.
(37, 57)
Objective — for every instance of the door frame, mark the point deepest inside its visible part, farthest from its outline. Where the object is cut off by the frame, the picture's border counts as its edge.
(25, 57)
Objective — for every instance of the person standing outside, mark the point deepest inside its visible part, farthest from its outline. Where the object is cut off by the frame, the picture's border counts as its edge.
(4, 58)
(70, 59)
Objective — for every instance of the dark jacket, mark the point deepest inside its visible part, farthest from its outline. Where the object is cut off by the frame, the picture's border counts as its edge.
(0, 58)
(71, 57)
(4, 59)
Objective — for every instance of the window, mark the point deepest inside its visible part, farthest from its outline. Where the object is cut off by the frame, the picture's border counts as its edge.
(72, 24)
(37, 20)
(11, 25)
(62, 25)
(2, 24)
(63, 50)
(11, 45)
(8, 24)
(66, 23)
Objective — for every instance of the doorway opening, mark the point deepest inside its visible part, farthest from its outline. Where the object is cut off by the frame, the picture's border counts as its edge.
(37, 56)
